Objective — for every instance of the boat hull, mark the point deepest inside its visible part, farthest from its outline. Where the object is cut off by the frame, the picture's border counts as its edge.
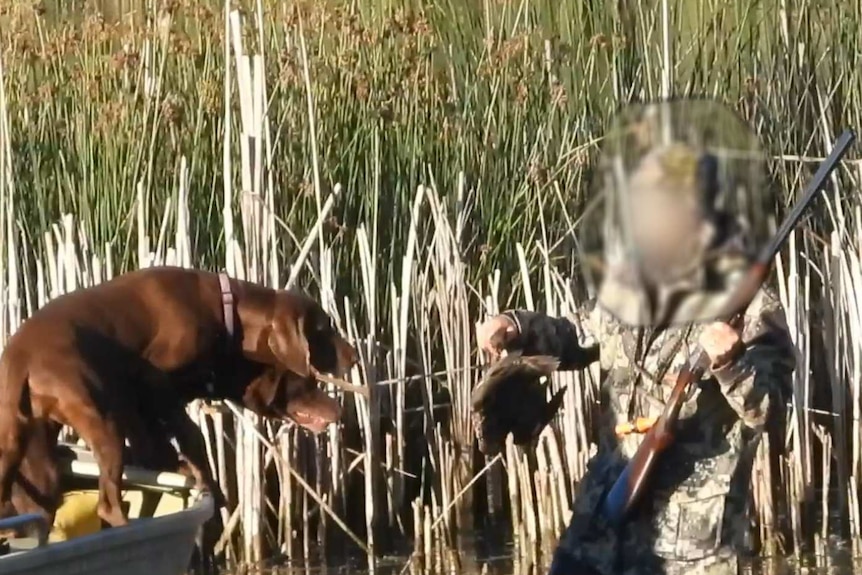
(166, 514)
(157, 545)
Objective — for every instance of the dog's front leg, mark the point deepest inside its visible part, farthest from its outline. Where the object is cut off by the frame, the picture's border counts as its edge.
(105, 439)
(193, 453)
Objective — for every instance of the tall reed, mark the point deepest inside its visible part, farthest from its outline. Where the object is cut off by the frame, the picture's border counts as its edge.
(418, 166)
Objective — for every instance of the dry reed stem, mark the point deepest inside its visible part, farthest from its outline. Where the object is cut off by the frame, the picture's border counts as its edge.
(251, 426)
(342, 384)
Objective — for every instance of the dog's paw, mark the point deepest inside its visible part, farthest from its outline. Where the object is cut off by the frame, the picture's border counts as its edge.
(186, 469)
(202, 484)
(218, 497)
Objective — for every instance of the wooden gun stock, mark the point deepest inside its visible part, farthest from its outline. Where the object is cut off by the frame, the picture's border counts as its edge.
(631, 483)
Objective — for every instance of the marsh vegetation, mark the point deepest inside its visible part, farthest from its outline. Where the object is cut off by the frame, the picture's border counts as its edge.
(418, 165)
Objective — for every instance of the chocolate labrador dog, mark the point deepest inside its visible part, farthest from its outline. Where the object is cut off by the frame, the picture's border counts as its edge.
(148, 337)
(267, 391)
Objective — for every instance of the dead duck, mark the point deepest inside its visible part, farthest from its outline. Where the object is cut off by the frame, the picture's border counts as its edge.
(511, 399)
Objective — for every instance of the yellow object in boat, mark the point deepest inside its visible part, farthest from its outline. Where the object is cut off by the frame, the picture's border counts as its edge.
(77, 516)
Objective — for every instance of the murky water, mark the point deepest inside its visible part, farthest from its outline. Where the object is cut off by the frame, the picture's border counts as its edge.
(480, 555)
(823, 565)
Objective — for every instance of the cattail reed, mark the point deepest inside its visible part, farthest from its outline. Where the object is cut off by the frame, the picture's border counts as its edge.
(418, 172)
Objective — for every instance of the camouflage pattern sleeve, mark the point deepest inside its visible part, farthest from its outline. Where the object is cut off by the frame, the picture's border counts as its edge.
(760, 380)
(540, 334)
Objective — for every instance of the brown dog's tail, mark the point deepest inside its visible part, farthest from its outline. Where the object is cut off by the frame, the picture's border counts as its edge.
(16, 410)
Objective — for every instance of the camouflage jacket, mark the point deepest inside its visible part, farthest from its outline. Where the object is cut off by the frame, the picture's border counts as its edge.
(700, 490)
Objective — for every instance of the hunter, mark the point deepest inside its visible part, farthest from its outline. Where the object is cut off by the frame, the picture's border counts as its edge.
(695, 517)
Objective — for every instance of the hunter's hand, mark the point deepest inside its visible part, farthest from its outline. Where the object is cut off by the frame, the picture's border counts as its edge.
(493, 335)
(721, 343)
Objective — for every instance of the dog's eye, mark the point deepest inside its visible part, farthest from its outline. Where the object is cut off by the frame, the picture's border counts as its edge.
(322, 325)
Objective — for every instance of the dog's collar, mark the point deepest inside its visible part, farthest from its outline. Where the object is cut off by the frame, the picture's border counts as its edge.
(227, 301)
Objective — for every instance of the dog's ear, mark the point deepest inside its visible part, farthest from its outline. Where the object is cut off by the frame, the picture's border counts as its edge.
(288, 342)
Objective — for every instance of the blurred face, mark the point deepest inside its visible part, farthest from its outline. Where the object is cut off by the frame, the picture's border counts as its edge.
(665, 213)
(664, 226)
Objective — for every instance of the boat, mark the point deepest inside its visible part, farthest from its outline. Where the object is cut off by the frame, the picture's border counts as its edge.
(165, 513)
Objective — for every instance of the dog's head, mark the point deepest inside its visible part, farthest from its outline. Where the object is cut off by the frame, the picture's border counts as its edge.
(302, 337)
(280, 394)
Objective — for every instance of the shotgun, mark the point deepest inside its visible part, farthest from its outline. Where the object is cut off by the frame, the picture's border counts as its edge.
(631, 483)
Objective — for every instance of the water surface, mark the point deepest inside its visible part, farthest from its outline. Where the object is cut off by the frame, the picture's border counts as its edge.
(480, 556)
